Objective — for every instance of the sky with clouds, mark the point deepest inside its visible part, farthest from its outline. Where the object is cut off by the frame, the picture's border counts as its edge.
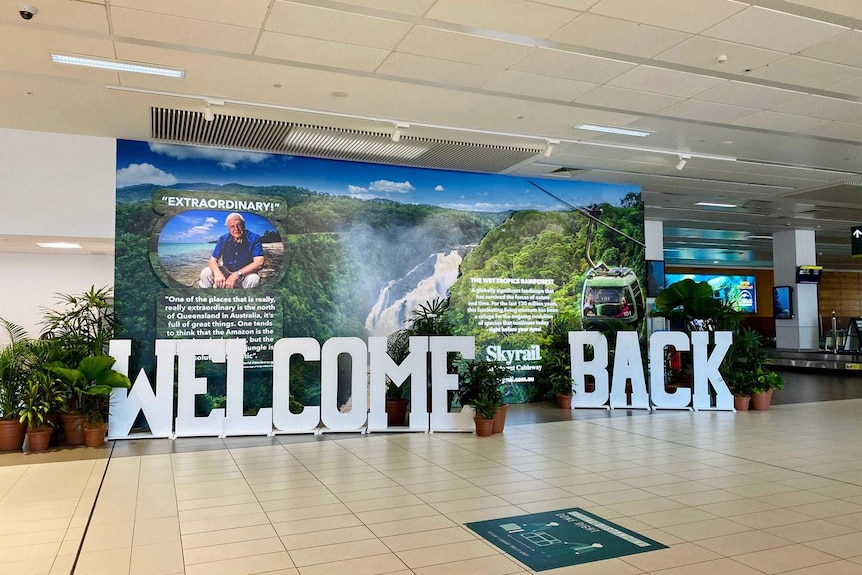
(168, 164)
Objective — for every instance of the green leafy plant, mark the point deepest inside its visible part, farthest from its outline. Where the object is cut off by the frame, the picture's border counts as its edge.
(14, 359)
(91, 384)
(692, 304)
(480, 385)
(39, 394)
(767, 379)
(743, 361)
(83, 326)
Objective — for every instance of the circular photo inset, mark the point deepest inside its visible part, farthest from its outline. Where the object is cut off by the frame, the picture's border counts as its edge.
(218, 249)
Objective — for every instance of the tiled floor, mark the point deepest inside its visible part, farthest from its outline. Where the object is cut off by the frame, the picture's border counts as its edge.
(729, 493)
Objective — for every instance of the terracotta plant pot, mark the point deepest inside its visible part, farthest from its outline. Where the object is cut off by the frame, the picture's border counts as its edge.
(761, 401)
(11, 435)
(500, 418)
(56, 421)
(396, 412)
(484, 427)
(740, 402)
(73, 428)
(39, 439)
(94, 434)
(564, 401)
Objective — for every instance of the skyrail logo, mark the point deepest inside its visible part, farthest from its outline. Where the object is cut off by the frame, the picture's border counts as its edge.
(510, 356)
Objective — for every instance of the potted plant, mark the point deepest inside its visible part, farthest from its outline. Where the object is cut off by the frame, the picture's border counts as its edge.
(741, 364)
(396, 403)
(479, 386)
(766, 382)
(82, 327)
(13, 365)
(561, 382)
(91, 383)
(40, 392)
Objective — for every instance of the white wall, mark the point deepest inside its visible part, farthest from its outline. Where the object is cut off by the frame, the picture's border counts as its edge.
(53, 185)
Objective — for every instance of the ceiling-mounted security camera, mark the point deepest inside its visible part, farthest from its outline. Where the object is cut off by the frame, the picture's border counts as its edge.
(27, 11)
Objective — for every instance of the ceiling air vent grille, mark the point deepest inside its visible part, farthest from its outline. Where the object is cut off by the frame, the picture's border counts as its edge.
(271, 136)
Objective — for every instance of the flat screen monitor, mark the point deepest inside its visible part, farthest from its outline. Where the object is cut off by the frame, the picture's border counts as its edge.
(808, 274)
(739, 291)
(655, 277)
(782, 302)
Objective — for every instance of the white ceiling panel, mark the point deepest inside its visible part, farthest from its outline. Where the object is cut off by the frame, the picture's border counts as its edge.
(513, 16)
(445, 45)
(312, 22)
(173, 29)
(618, 36)
(703, 53)
(67, 15)
(843, 7)
(410, 7)
(320, 52)
(247, 14)
(839, 130)
(845, 49)
(764, 28)
(707, 111)
(538, 86)
(748, 95)
(826, 108)
(780, 122)
(487, 72)
(559, 64)
(663, 81)
(693, 16)
(807, 72)
(628, 100)
(436, 70)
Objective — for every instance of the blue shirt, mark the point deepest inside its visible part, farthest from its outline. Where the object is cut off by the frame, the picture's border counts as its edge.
(235, 255)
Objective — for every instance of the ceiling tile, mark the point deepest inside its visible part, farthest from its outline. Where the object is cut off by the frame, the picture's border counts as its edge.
(28, 49)
(704, 52)
(618, 36)
(571, 66)
(319, 52)
(780, 122)
(536, 86)
(70, 15)
(764, 28)
(581, 5)
(435, 70)
(840, 131)
(707, 112)
(664, 81)
(748, 95)
(513, 16)
(691, 16)
(825, 108)
(445, 45)
(411, 7)
(248, 14)
(844, 49)
(843, 7)
(807, 72)
(343, 27)
(176, 30)
(853, 88)
(627, 100)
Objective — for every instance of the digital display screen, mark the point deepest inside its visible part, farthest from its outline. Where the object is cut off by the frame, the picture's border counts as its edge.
(782, 302)
(738, 291)
(808, 274)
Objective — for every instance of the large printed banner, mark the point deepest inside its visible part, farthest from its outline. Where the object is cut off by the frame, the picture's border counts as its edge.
(220, 244)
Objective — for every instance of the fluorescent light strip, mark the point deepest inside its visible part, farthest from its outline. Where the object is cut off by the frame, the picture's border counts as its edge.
(117, 65)
(613, 130)
(59, 245)
(716, 205)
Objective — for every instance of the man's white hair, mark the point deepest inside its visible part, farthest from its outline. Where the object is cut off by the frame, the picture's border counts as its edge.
(232, 216)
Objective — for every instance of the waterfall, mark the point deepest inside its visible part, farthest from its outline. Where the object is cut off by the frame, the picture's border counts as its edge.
(399, 297)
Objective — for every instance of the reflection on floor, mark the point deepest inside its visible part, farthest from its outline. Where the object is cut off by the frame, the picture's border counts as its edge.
(730, 493)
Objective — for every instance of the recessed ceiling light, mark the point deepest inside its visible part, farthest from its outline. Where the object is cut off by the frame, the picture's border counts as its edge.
(59, 245)
(117, 65)
(758, 237)
(715, 205)
(613, 130)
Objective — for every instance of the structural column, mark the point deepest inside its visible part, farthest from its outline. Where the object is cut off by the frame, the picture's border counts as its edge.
(790, 249)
